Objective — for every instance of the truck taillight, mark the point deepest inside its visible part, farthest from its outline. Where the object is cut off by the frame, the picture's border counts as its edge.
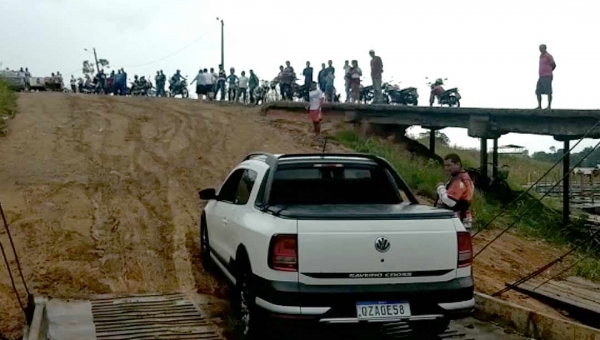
(283, 253)
(465, 249)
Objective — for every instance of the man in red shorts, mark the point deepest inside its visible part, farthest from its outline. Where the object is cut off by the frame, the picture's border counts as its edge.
(315, 102)
(457, 194)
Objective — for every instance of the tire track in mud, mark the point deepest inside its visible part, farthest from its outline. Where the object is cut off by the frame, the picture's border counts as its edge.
(155, 152)
(117, 177)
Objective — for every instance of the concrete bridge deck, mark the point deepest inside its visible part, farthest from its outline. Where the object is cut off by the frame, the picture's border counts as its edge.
(484, 123)
(481, 122)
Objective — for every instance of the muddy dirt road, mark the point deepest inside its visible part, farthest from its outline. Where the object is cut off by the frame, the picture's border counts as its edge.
(101, 192)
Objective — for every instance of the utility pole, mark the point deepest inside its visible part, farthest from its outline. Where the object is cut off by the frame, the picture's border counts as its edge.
(222, 43)
(96, 58)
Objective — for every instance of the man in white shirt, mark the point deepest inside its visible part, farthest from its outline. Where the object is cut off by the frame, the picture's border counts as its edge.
(199, 80)
(208, 84)
(73, 84)
(243, 87)
(315, 102)
(347, 68)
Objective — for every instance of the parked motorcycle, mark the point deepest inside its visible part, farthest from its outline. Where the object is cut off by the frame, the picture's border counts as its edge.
(141, 89)
(449, 97)
(407, 96)
(90, 88)
(300, 92)
(180, 89)
(366, 94)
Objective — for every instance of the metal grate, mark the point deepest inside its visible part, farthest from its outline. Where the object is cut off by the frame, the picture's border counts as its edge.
(171, 316)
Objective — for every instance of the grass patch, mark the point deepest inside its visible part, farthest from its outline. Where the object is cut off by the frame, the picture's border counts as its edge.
(588, 268)
(542, 221)
(420, 175)
(8, 105)
(523, 169)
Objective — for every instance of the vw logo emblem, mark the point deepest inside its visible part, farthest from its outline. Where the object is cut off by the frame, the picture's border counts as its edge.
(382, 244)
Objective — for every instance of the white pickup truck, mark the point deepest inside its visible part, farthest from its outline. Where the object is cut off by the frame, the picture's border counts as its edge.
(334, 238)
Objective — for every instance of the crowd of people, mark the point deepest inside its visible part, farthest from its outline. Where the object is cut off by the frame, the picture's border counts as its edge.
(326, 79)
(246, 88)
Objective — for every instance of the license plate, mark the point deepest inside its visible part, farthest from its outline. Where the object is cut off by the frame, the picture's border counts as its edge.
(382, 310)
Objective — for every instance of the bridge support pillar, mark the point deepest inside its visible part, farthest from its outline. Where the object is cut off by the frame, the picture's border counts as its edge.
(566, 182)
(483, 156)
(495, 159)
(432, 140)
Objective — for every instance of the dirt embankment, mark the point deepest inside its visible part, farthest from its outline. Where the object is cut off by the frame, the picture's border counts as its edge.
(101, 193)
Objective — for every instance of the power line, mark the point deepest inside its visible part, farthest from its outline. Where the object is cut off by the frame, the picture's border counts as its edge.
(12, 244)
(170, 55)
(12, 279)
(536, 182)
(589, 254)
(536, 202)
(154, 61)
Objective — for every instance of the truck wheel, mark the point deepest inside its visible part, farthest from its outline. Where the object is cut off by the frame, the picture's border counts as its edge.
(204, 244)
(250, 323)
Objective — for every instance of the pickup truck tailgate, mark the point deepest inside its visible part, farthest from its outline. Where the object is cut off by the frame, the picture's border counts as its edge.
(378, 251)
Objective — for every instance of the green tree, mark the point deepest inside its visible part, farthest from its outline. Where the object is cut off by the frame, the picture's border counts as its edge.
(103, 63)
(88, 68)
(440, 137)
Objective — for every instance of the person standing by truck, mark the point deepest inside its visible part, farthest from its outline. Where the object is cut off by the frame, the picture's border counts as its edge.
(457, 194)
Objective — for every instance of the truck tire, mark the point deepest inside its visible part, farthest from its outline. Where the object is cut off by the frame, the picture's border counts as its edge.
(250, 323)
(204, 244)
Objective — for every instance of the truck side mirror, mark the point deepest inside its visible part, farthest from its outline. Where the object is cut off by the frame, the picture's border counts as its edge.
(208, 194)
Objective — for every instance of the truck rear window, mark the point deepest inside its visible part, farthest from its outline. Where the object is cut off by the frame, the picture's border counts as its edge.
(333, 184)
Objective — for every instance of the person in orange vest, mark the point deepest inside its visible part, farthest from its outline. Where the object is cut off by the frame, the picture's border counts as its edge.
(457, 194)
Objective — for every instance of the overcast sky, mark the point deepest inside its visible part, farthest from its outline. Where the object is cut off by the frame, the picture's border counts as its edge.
(488, 49)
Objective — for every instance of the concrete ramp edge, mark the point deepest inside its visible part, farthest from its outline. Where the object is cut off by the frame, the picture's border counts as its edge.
(38, 330)
(529, 322)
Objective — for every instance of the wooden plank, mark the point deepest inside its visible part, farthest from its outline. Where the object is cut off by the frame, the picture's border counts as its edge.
(584, 289)
(152, 316)
(559, 297)
(583, 282)
(577, 293)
